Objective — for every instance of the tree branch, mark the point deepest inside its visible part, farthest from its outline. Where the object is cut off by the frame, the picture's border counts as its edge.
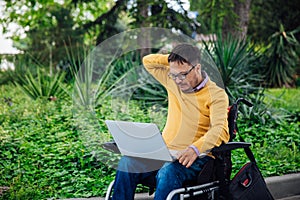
(118, 6)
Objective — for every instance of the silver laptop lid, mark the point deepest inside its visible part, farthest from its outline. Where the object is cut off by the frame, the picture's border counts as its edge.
(136, 139)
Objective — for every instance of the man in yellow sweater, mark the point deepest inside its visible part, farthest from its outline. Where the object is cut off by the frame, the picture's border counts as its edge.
(196, 122)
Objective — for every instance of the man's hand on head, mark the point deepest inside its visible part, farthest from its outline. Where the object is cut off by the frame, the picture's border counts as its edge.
(187, 157)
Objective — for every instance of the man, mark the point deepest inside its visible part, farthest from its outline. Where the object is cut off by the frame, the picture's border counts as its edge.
(196, 122)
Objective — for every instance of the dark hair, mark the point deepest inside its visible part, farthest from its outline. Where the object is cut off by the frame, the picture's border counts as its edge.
(185, 53)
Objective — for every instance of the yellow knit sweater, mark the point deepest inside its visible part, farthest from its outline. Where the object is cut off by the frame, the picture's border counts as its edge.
(199, 118)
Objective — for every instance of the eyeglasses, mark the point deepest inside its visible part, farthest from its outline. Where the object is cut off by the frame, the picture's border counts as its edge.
(182, 75)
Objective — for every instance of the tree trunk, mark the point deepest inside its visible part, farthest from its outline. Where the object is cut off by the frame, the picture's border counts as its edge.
(144, 38)
(239, 26)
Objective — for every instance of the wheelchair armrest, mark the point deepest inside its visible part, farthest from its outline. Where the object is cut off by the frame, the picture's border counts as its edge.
(230, 146)
(111, 146)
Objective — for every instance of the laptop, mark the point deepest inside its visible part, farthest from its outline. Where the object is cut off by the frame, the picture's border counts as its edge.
(142, 140)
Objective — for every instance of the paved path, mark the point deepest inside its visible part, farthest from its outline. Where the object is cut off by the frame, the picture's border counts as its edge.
(285, 187)
(146, 197)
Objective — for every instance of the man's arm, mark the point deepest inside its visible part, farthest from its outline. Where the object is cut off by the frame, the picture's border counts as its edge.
(218, 131)
(157, 65)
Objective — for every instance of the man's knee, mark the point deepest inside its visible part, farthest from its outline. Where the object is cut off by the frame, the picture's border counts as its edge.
(138, 165)
(124, 162)
(168, 172)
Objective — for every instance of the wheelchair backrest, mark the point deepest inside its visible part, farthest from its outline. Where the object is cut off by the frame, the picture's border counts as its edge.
(233, 115)
(232, 120)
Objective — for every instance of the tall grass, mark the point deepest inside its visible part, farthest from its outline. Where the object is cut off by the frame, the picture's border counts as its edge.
(286, 98)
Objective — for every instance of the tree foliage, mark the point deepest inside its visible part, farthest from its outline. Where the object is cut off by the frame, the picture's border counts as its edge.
(212, 13)
(267, 15)
(46, 28)
(51, 25)
(229, 17)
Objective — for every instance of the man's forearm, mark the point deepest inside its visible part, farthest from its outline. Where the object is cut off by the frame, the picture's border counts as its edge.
(157, 65)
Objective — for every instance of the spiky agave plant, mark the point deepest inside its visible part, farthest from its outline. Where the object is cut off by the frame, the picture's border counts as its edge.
(281, 58)
(42, 85)
(238, 64)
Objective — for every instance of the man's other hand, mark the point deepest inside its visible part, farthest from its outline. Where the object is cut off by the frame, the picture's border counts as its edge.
(187, 157)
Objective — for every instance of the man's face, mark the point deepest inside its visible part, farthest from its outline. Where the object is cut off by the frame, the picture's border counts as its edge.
(185, 75)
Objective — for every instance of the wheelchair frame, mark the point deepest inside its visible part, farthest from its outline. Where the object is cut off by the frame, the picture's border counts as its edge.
(217, 184)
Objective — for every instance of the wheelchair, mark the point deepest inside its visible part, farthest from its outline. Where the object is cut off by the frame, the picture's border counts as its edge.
(213, 180)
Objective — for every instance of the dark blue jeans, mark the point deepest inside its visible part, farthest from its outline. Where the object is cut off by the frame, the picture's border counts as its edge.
(169, 177)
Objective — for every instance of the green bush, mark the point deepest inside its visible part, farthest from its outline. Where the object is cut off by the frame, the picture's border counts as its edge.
(43, 149)
(275, 142)
(275, 147)
(44, 154)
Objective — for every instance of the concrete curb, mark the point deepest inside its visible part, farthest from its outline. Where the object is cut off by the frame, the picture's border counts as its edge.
(286, 187)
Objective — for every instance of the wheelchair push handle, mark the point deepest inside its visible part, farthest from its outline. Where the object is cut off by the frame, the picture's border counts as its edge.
(248, 103)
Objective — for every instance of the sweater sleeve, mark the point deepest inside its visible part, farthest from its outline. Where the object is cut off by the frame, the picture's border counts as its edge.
(157, 65)
(218, 131)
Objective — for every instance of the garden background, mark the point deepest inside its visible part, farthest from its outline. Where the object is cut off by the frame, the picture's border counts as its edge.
(43, 154)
